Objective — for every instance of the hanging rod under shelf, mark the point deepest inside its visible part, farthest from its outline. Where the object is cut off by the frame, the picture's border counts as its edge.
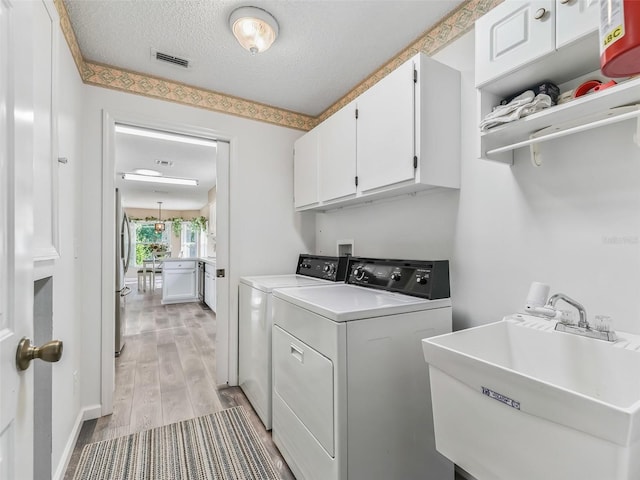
(613, 115)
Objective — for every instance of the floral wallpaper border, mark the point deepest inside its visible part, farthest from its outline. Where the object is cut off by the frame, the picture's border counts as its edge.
(447, 30)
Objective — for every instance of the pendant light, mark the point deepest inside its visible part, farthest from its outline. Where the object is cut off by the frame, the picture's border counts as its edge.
(254, 28)
(159, 227)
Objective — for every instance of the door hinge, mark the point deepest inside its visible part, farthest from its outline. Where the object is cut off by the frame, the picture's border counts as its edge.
(415, 76)
(356, 180)
(415, 161)
(356, 113)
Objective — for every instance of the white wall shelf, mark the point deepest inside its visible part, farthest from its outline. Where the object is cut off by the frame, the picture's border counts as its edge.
(591, 111)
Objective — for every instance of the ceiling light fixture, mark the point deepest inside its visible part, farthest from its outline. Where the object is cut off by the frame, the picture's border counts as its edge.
(254, 28)
(155, 179)
(172, 137)
(159, 226)
(146, 171)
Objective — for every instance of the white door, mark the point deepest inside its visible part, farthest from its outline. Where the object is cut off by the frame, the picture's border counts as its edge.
(337, 154)
(575, 19)
(305, 170)
(226, 333)
(511, 35)
(386, 126)
(16, 239)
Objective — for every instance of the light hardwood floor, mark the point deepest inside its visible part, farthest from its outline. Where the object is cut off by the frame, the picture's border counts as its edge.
(166, 373)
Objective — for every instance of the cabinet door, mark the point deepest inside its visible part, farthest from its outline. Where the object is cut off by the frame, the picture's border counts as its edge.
(510, 36)
(386, 143)
(575, 19)
(337, 154)
(305, 170)
(179, 284)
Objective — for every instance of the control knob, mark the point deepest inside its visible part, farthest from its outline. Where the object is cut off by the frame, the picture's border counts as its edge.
(329, 269)
(396, 276)
(422, 280)
(358, 273)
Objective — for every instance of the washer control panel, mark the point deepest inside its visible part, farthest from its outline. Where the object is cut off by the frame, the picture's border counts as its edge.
(420, 278)
(327, 268)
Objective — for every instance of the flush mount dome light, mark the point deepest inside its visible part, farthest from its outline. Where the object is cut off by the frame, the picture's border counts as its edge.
(254, 28)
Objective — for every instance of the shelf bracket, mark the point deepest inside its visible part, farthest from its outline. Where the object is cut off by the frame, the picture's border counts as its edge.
(534, 149)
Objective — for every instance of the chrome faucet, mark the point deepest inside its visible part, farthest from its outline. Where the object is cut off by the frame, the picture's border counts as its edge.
(583, 328)
(553, 299)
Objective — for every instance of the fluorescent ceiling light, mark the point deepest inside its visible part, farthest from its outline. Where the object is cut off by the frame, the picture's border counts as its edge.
(172, 137)
(145, 171)
(154, 179)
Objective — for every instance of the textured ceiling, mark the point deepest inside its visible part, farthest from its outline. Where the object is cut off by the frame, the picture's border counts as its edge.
(325, 47)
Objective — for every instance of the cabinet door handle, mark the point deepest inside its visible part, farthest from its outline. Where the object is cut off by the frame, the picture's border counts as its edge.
(297, 353)
(540, 13)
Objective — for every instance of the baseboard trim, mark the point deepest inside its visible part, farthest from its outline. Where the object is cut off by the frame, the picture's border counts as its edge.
(87, 413)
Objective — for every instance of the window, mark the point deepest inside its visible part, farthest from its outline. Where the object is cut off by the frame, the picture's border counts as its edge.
(147, 241)
(189, 240)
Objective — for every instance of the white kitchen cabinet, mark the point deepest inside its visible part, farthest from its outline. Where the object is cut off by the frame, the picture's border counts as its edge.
(575, 19)
(386, 144)
(179, 281)
(305, 170)
(407, 138)
(522, 43)
(337, 155)
(513, 34)
(210, 286)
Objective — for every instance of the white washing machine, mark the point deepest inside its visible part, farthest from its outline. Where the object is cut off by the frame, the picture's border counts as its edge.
(254, 362)
(351, 398)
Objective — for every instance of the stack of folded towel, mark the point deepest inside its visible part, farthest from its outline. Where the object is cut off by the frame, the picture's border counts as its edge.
(524, 104)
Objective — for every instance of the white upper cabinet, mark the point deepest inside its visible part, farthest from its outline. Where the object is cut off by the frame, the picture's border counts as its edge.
(305, 170)
(386, 146)
(337, 154)
(567, 56)
(406, 138)
(511, 35)
(575, 19)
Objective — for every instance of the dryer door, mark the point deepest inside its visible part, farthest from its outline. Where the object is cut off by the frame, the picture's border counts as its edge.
(303, 378)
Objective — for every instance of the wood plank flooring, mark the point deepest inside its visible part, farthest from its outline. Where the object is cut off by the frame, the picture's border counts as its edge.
(166, 373)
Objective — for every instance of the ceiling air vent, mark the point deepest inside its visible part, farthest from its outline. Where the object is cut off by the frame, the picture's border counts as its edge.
(165, 57)
(164, 163)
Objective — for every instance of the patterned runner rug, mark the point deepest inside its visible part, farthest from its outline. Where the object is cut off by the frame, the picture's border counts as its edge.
(222, 446)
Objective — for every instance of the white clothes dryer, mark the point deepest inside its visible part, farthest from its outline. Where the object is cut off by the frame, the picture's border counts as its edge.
(255, 323)
(351, 397)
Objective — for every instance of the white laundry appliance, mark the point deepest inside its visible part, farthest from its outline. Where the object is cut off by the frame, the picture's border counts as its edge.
(351, 398)
(254, 362)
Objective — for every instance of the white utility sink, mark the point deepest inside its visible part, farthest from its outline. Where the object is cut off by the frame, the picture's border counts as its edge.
(516, 400)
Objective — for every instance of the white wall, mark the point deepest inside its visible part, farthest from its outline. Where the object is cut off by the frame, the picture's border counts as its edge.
(67, 285)
(265, 234)
(572, 223)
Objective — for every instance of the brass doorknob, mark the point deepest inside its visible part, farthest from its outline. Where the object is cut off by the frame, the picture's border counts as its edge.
(49, 352)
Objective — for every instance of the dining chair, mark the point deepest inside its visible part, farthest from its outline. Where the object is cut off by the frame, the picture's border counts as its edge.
(158, 262)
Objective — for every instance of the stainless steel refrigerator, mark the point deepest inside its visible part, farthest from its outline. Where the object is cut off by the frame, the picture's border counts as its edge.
(123, 256)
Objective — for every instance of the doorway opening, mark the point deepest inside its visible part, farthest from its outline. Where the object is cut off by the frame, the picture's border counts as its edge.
(179, 245)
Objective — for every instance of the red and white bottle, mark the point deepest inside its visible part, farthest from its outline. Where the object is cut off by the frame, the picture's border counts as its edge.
(620, 37)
